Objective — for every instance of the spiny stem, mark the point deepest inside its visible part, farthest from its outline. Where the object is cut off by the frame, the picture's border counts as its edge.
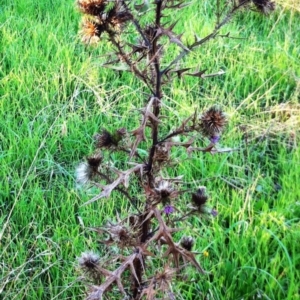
(124, 56)
(212, 35)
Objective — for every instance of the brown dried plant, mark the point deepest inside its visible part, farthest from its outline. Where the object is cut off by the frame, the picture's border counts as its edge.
(149, 260)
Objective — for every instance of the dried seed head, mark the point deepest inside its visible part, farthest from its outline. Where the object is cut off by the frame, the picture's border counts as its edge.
(199, 198)
(162, 154)
(119, 234)
(164, 278)
(165, 190)
(104, 140)
(94, 161)
(90, 32)
(212, 122)
(91, 7)
(187, 242)
(115, 17)
(88, 260)
(107, 139)
(89, 264)
(264, 6)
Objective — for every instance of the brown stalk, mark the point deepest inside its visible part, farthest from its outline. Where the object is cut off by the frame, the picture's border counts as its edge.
(210, 36)
(115, 276)
(125, 57)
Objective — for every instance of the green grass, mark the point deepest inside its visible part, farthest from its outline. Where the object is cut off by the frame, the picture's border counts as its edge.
(54, 97)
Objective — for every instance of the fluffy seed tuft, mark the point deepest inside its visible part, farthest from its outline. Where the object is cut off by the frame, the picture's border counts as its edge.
(83, 173)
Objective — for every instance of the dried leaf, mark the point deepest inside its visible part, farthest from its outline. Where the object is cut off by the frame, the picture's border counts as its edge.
(211, 149)
(180, 72)
(184, 144)
(221, 72)
(122, 178)
(197, 74)
(139, 133)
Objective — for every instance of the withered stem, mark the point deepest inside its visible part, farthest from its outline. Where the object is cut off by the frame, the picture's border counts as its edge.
(145, 227)
(157, 95)
(137, 26)
(174, 133)
(124, 56)
(210, 36)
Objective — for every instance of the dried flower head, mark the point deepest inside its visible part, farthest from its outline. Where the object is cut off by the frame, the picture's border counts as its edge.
(94, 161)
(88, 260)
(119, 234)
(264, 6)
(212, 122)
(162, 154)
(91, 7)
(165, 190)
(187, 242)
(200, 197)
(89, 263)
(90, 31)
(164, 278)
(107, 139)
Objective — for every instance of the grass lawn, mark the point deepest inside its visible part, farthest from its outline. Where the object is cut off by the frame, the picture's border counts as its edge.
(54, 97)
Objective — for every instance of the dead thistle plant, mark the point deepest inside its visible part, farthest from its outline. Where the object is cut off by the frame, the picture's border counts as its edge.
(151, 260)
